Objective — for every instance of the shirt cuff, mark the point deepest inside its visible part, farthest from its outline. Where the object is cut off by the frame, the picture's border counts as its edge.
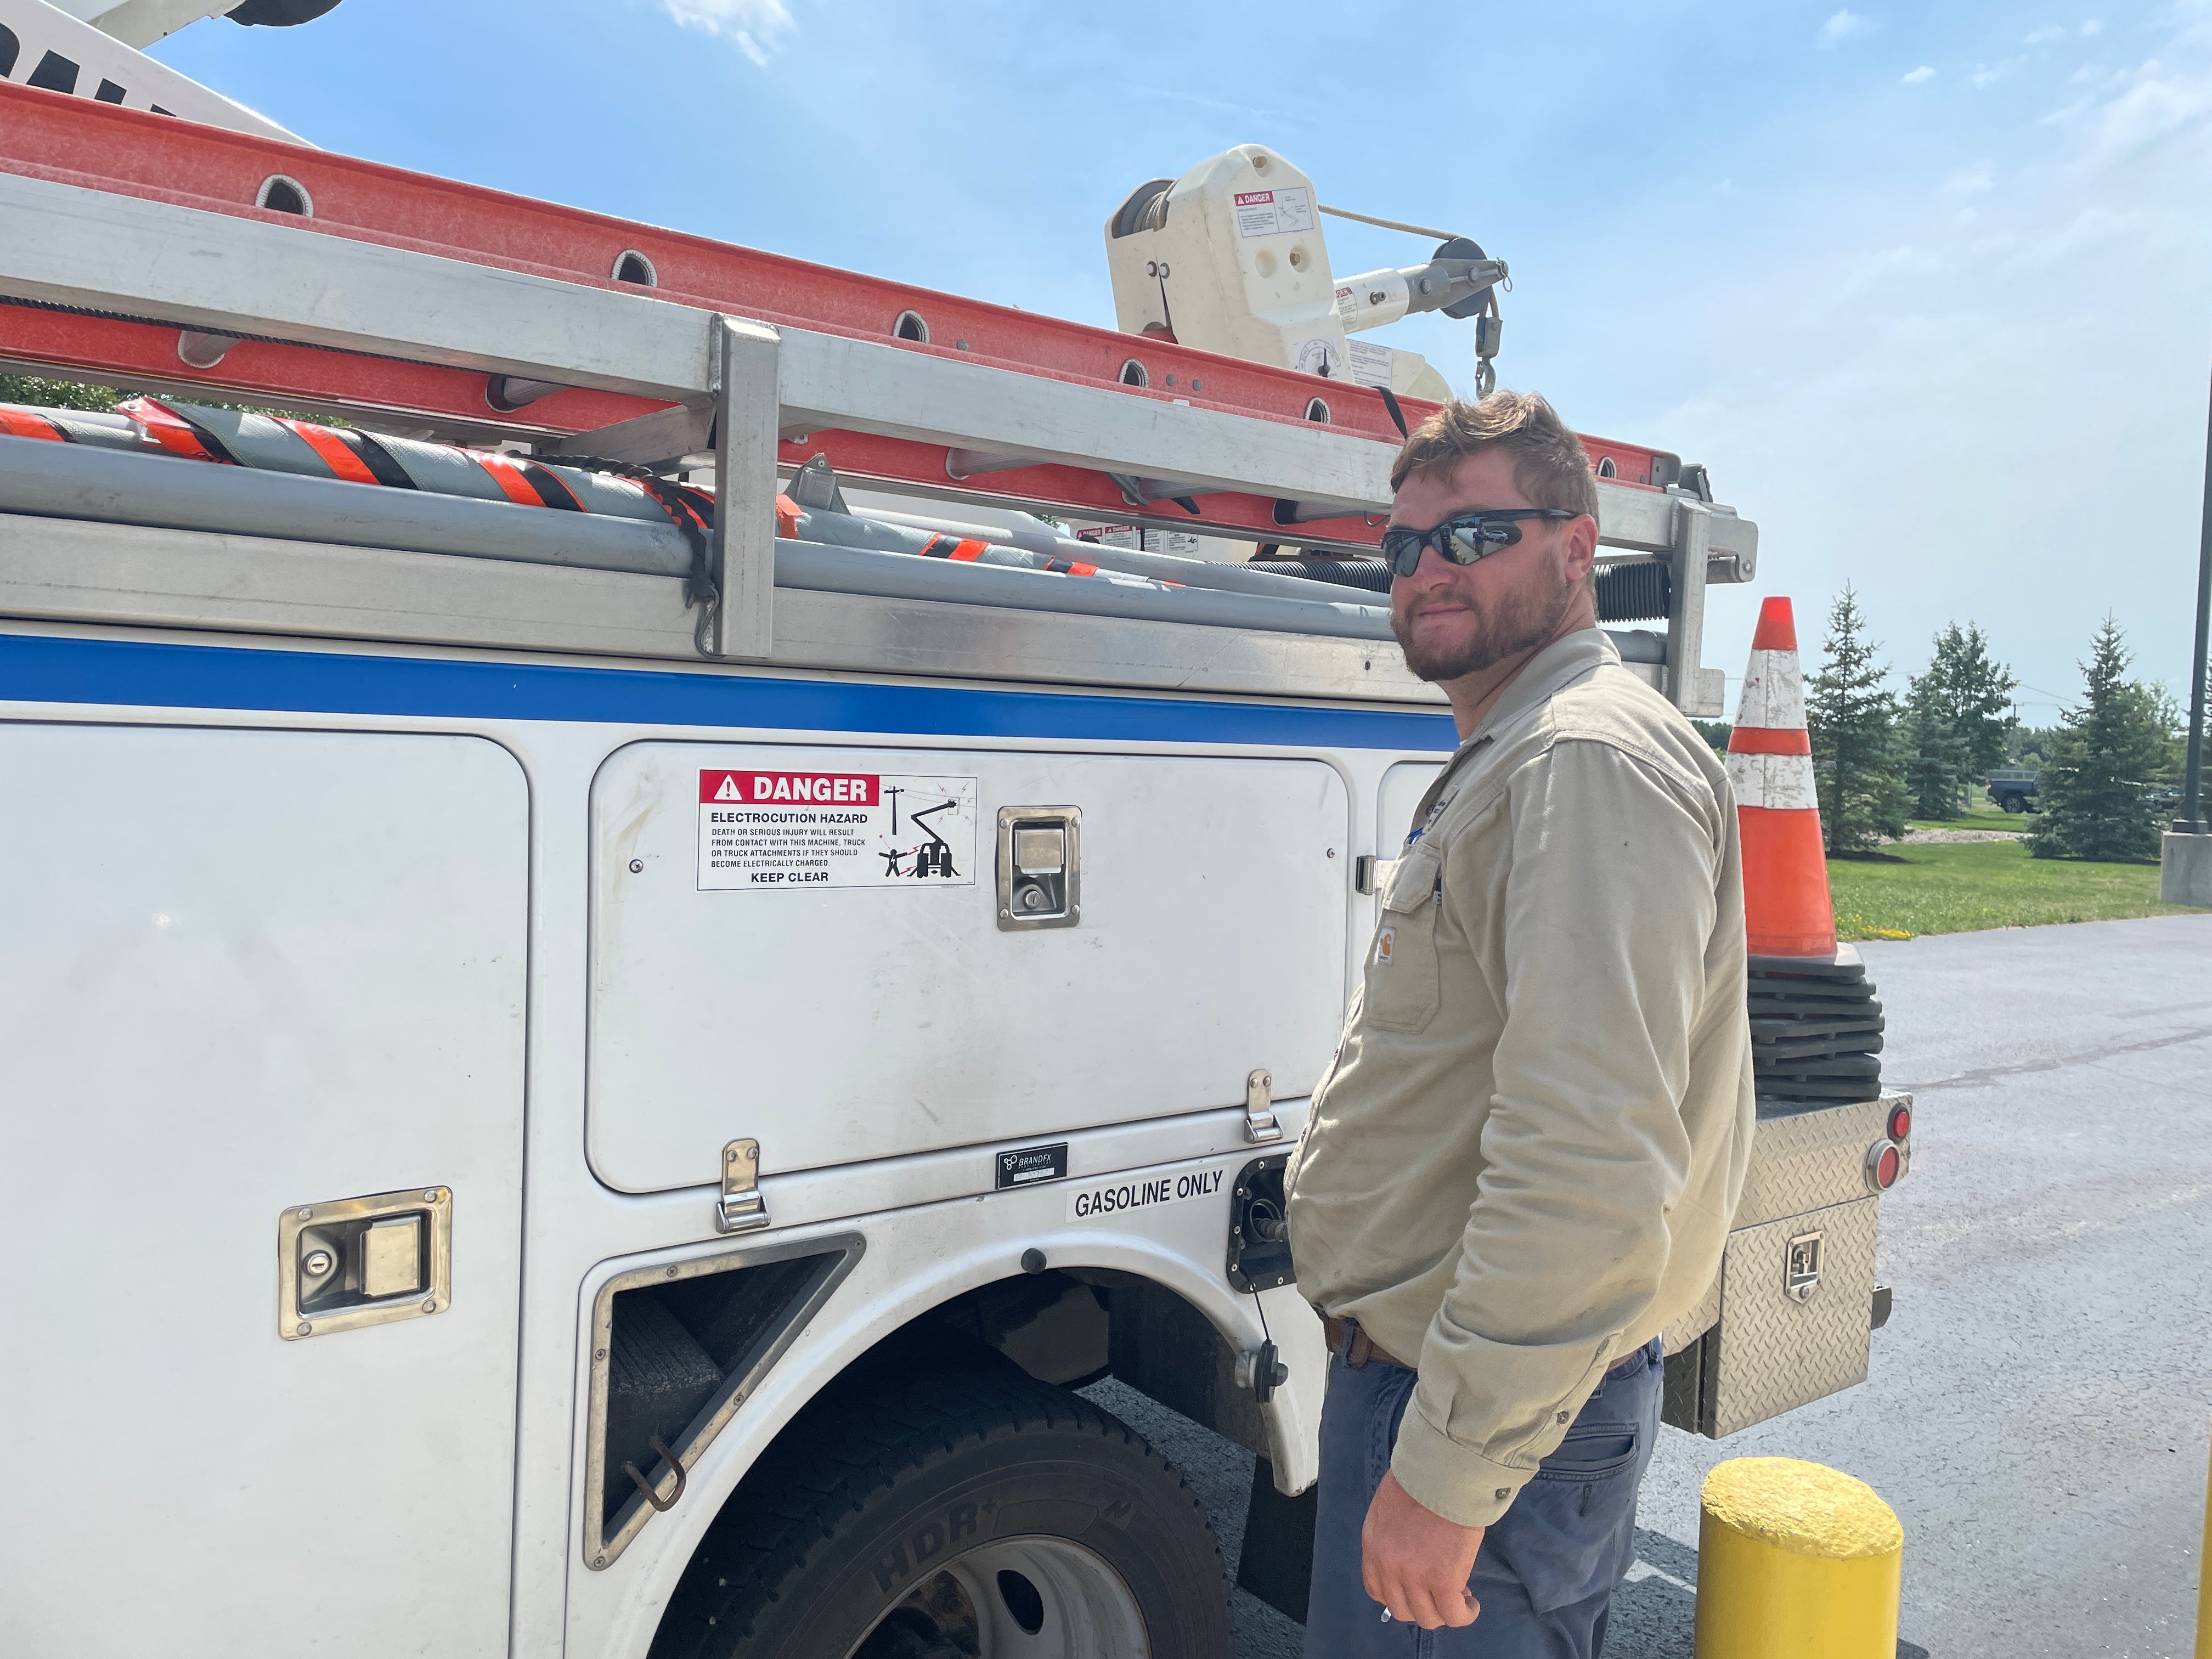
(1445, 1478)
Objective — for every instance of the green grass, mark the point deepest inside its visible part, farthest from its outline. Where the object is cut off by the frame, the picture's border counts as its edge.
(1957, 887)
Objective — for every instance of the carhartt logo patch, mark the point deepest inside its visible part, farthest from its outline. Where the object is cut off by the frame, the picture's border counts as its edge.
(1385, 942)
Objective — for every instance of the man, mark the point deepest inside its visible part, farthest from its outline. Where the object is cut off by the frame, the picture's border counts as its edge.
(1521, 1166)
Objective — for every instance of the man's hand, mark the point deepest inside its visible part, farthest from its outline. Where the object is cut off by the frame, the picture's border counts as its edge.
(1416, 1563)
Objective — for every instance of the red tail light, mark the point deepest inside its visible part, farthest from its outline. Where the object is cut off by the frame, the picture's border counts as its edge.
(1900, 1122)
(1884, 1163)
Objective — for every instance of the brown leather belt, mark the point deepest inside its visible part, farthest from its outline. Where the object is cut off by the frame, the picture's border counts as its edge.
(1349, 1343)
(1353, 1346)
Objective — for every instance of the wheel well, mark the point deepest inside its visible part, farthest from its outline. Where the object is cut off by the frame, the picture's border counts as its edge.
(1064, 1327)
(1075, 1326)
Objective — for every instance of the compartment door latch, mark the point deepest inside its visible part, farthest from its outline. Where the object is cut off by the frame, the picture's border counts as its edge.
(347, 1263)
(741, 1209)
(1260, 1125)
(1040, 867)
(1801, 1267)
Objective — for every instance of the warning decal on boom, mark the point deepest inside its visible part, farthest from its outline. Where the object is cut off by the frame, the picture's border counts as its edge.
(764, 831)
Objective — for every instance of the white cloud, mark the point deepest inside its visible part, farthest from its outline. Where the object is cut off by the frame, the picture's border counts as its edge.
(2092, 228)
(1914, 77)
(2045, 35)
(751, 25)
(2090, 26)
(1842, 25)
(1987, 75)
(2152, 104)
(1971, 181)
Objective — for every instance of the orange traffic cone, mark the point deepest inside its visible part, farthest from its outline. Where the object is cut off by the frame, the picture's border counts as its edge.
(1786, 908)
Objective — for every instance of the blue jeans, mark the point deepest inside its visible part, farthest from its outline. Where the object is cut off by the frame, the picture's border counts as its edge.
(1546, 1571)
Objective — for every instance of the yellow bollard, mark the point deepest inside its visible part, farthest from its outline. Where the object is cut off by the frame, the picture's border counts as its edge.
(2205, 1579)
(1796, 1561)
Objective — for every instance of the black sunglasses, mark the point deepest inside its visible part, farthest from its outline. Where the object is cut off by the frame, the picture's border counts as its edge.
(1464, 538)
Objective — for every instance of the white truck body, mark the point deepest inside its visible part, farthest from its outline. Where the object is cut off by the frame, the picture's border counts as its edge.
(361, 911)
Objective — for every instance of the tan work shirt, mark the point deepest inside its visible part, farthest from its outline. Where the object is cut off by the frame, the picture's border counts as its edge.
(1523, 1164)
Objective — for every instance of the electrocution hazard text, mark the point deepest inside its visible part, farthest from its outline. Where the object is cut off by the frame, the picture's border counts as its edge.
(764, 831)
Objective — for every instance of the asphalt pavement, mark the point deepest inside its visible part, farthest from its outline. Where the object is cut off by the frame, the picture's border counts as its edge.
(2039, 1404)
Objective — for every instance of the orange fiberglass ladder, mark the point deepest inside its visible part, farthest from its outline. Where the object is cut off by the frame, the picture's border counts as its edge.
(98, 147)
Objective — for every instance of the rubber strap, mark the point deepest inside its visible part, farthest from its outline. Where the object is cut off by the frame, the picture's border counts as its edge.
(1397, 415)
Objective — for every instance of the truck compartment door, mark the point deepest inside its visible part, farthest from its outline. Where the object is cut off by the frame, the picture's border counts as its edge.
(261, 1031)
(825, 950)
(1403, 785)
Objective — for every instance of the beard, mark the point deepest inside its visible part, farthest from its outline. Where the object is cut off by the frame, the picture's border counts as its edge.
(1521, 620)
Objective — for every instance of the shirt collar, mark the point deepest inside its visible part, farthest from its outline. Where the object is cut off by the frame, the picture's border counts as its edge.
(1549, 672)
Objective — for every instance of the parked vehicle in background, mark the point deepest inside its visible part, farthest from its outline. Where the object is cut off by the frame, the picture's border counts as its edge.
(2014, 790)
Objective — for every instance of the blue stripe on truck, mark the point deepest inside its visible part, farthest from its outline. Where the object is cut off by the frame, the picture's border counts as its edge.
(54, 669)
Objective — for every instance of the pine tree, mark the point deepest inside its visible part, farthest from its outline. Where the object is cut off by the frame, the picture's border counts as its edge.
(1936, 773)
(1978, 695)
(2171, 720)
(2110, 755)
(1853, 718)
(1959, 721)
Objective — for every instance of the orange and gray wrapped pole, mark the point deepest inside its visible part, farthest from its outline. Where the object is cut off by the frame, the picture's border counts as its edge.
(278, 443)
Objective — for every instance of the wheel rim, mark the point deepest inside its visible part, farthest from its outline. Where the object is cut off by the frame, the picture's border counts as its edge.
(1014, 1598)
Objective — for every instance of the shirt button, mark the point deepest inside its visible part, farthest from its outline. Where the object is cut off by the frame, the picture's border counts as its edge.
(1562, 1416)
(1504, 1492)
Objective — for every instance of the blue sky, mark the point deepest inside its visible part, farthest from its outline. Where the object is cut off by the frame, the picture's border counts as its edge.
(1929, 289)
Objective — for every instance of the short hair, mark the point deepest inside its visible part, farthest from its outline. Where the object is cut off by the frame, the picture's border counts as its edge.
(1550, 467)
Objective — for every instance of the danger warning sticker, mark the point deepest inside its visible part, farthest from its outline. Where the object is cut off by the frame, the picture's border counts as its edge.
(760, 831)
(1271, 212)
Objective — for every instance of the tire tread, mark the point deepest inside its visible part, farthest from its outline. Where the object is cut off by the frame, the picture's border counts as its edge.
(841, 1452)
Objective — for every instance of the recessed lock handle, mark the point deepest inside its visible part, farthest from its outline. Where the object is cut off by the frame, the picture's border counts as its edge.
(348, 1263)
(1040, 867)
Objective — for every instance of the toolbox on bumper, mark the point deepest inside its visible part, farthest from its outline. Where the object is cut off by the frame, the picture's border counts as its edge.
(1788, 1319)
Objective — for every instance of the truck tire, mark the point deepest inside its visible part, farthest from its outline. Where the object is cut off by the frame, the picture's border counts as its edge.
(2013, 803)
(954, 1516)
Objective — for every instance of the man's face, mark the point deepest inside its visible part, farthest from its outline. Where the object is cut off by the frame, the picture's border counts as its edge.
(1453, 620)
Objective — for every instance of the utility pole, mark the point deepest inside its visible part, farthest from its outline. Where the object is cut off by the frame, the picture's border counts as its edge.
(2192, 821)
(2185, 855)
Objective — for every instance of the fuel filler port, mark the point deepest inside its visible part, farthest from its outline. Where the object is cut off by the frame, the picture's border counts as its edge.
(1259, 1237)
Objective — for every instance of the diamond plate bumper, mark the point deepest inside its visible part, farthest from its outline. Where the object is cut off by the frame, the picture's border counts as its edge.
(1763, 1340)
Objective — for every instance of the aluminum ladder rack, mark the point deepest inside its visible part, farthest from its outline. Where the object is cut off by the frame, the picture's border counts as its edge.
(137, 255)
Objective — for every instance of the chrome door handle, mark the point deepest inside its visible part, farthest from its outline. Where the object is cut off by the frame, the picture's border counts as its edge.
(1040, 867)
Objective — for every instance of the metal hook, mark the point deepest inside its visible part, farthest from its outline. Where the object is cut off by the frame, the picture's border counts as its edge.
(646, 1486)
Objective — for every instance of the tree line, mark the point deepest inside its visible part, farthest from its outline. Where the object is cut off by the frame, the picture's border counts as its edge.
(2110, 771)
